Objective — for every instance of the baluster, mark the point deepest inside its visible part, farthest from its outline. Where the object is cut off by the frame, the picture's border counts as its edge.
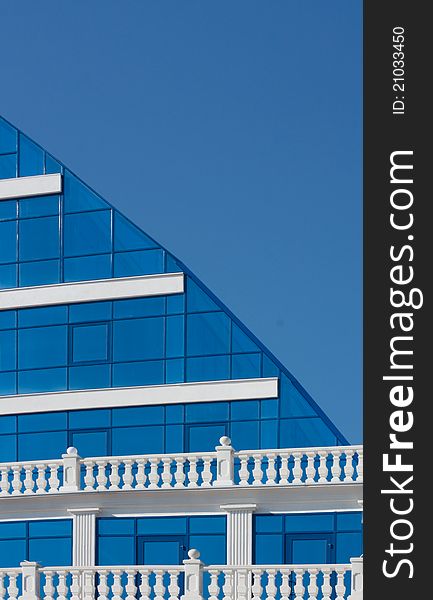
(336, 469)
(348, 469)
(257, 588)
(103, 588)
(360, 466)
(244, 474)
(28, 481)
(130, 588)
(48, 588)
(242, 577)
(340, 588)
(179, 474)
(192, 473)
(62, 588)
(206, 474)
(153, 475)
(284, 468)
(159, 587)
(75, 586)
(2, 587)
(166, 473)
(101, 477)
(88, 580)
(16, 481)
(140, 477)
(13, 590)
(41, 480)
(89, 478)
(297, 469)
(271, 472)
(114, 478)
(313, 590)
(173, 587)
(213, 587)
(53, 480)
(310, 471)
(285, 589)
(271, 588)
(228, 585)
(326, 585)
(257, 471)
(299, 588)
(323, 467)
(4, 480)
(127, 479)
(117, 588)
(144, 585)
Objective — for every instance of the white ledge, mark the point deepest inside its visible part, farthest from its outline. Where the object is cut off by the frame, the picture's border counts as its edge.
(36, 185)
(92, 291)
(177, 393)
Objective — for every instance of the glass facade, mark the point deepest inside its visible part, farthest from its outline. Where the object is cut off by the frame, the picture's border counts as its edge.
(187, 337)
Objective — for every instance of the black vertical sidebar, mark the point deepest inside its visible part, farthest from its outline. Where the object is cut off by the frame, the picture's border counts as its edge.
(398, 220)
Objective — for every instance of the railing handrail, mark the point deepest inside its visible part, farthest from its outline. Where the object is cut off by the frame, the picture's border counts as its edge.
(174, 455)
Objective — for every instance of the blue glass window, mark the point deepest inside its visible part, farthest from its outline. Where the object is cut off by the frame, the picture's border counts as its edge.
(245, 434)
(197, 299)
(208, 368)
(207, 411)
(8, 450)
(138, 339)
(8, 350)
(8, 166)
(42, 347)
(305, 432)
(348, 546)
(8, 276)
(246, 366)
(175, 370)
(141, 415)
(175, 336)
(42, 380)
(8, 319)
(87, 233)
(34, 446)
(31, 158)
(293, 404)
(83, 419)
(242, 410)
(78, 196)
(8, 424)
(139, 307)
(129, 237)
(86, 268)
(241, 342)
(42, 422)
(51, 551)
(8, 210)
(205, 437)
(117, 550)
(91, 311)
(39, 238)
(349, 521)
(89, 377)
(150, 372)
(8, 241)
(90, 443)
(208, 333)
(8, 383)
(42, 206)
(52, 315)
(8, 137)
(139, 262)
(39, 273)
(115, 526)
(309, 522)
(90, 343)
(138, 440)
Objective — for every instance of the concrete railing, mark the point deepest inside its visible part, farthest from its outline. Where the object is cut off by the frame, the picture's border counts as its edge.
(190, 581)
(222, 468)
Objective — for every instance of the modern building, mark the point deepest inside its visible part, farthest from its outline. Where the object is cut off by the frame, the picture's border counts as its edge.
(140, 420)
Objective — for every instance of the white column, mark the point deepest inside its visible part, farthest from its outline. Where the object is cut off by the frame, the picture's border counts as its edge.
(239, 533)
(83, 536)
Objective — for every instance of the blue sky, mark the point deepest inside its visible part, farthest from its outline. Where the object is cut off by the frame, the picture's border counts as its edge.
(231, 132)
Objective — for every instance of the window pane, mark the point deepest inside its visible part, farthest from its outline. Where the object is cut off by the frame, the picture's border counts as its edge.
(8, 166)
(129, 237)
(115, 526)
(90, 443)
(349, 521)
(8, 139)
(175, 336)
(8, 424)
(34, 446)
(212, 548)
(31, 158)
(7, 319)
(54, 528)
(174, 441)
(42, 347)
(117, 550)
(245, 366)
(8, 275)
(293, 404)
(42, 422)
(8, 210)
(89, 377)
(197, 299)
(12, 552)
(8, 241)
(53, 315)
(8, 445)
(305, 432)
(42, 380)
(88, 233)
(204, 438)
(208, 333)
(138, 339)
(87, 268)
(207, 411)
(78, 196)
(85, 419)
(208, 368)
(51, 551)
(245, 435)
(268, 523)
(309, 523)
(39, 238)
(141, 262)
(161, 526)
(348, 546)
(8, 383)
(90, 311)
(8, 350)
(175, 370)
(90, 343)
(142, 415)
(150, 372)
(39, 273)
(241, 342)
(139, 307)
(244, 409)
(138, 440)
(42, 206)
(269, 549)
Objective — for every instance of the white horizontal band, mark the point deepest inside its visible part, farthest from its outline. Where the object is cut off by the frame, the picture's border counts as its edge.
(92, 291)
(177, 393)
(36, 185)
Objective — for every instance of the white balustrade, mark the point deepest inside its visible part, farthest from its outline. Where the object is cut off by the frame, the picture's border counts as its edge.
(190, 581)
(225, 467)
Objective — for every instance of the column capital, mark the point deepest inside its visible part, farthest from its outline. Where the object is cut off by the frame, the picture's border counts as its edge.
(239, 507)
(83, 511)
